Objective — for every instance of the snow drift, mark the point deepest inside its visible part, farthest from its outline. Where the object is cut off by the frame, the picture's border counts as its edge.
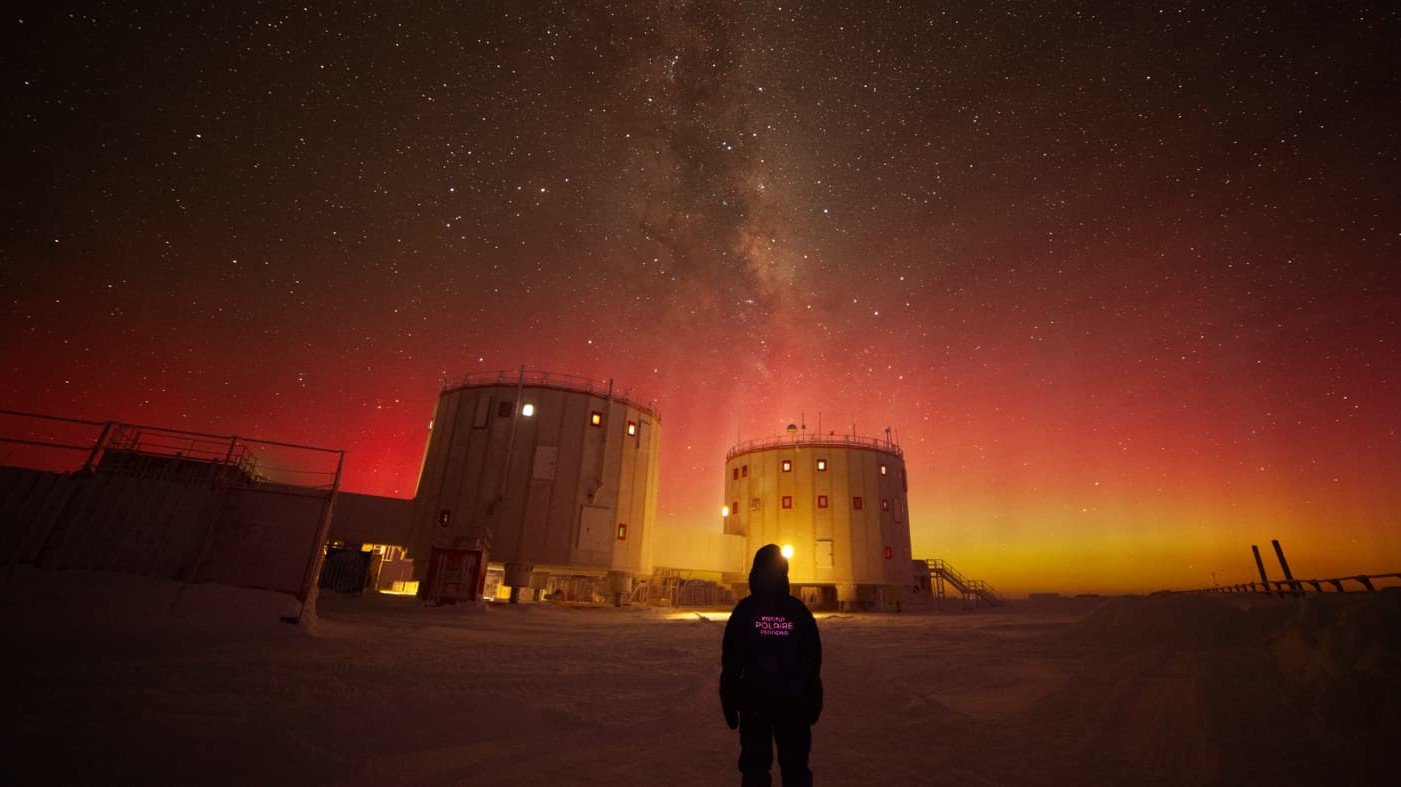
(125, 678)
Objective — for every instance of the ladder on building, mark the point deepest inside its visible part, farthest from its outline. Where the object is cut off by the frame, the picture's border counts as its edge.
(974, 591)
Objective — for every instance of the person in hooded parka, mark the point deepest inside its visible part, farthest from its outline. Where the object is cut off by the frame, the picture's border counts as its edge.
(770, 675)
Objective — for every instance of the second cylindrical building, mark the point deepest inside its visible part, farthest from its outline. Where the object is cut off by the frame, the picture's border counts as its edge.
(837, 504)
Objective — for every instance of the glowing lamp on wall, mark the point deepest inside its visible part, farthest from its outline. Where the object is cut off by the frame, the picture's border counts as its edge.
(595, 418)
(787, 551)
(632, 428)
(724, 510)
(527, 410)
(623, 532)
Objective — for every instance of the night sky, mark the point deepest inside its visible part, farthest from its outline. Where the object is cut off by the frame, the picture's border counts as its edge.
(1124, 278)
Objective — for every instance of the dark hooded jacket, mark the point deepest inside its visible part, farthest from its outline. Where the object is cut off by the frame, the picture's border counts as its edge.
(772, 655)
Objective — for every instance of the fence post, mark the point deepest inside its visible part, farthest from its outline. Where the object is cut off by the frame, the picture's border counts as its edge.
(1284, 564)
(1260, 564)
(97, 447)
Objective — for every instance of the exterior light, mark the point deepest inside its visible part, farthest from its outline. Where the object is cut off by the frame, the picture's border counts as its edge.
(787, 551)
(527, 410)
(724, 510)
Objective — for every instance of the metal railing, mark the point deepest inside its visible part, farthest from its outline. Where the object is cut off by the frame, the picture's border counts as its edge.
(972, 589)
(564, 382)
(815, 440)
(60, 444)
(1297, 587)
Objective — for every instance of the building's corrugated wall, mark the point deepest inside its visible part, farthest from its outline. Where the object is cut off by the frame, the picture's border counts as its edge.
(551, 490)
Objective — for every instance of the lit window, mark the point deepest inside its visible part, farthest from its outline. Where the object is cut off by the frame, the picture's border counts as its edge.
(527, 410)
(787, 501)
(735, 475)
(856, 503)
(505, 409)
(888, 553)
(821, 465)
(787, 465)
(753, 504)
(595, 418)
(821, 501)
(885, 504)
(882, 469)
(623, 533)
(632, 428)
(744, 471)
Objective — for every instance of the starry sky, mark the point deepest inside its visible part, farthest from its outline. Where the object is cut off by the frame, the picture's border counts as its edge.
(1122, 277)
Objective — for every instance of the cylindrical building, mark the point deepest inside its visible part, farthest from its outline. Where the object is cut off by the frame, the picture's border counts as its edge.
(837, 502)
(547, 473)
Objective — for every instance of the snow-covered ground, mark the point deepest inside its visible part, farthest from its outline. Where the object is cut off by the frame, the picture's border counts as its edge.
(119, 679)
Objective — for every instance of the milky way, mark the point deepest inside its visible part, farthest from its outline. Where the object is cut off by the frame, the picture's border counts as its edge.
(1123, 279)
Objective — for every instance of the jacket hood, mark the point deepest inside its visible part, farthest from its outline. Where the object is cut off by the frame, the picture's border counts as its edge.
(769, 576)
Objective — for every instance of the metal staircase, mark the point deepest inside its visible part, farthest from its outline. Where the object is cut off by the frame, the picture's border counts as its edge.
(975, 592)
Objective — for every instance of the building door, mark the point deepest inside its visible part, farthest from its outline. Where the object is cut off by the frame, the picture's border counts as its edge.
(454, 575)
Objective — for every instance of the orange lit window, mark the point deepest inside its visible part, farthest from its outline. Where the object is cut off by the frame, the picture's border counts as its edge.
(882, 469)
(787, 501)
(623, 533)
(744, 471)
(595, 418)
(888, 553)
(505, 409)
(856, 503)
(821, 465)
(632, 428)
(885, 504)
(787, 465)
(736, 474)
(821, 501)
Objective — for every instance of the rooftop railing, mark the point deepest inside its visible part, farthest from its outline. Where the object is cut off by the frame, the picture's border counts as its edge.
(814, 440)
(564, 382)
(67, 445)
